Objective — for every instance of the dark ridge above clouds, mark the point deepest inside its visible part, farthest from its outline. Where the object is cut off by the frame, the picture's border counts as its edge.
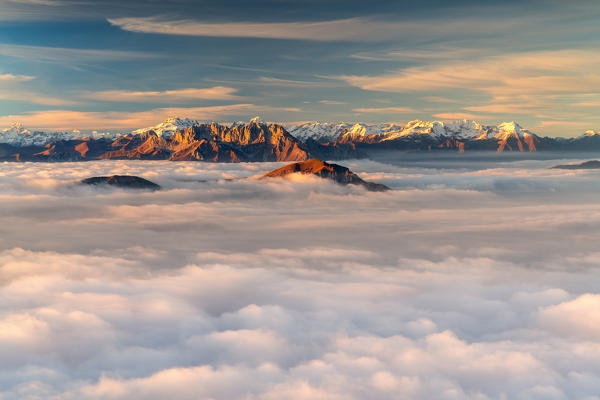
(122, 181)
(322, 169)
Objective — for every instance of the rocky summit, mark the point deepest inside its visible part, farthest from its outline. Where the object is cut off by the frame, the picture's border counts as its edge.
(322, 169)
(252, 142)
(122, 181)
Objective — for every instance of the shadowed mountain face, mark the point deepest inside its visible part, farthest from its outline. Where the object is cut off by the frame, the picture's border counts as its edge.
(325, 170)
(252, 142)
(122, 181)
(593, 164)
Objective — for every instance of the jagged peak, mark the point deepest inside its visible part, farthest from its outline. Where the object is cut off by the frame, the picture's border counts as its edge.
(16, 127)
(510, 126)
(168, 126)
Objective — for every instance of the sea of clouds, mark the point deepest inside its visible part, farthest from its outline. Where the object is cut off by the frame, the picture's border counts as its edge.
(461, 283)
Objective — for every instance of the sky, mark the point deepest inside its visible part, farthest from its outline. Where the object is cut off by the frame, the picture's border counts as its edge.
(455, 285)
(121, 65)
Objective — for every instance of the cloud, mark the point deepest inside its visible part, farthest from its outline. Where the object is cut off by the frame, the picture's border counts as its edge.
(12, 88)
(462, 115)
(42, 2)
(559, 71)
(349, 29)
(34, 98)
(331, 102)
(344, 29)
(432, 53)
(385, 110)
(440, 99)
(457, 284)
(87, 120)
(270, 81)
(63, 55)
(166, 96)
(15, 78)
(573, 318)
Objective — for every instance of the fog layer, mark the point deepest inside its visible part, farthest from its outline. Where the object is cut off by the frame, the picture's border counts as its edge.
(461, 283)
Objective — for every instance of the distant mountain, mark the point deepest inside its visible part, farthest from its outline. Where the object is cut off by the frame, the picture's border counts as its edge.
(422, 135)
(17, 135)
(335, 172)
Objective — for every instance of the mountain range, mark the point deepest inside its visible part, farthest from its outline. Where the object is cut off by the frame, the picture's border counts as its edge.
(175, 140)
(182, 139)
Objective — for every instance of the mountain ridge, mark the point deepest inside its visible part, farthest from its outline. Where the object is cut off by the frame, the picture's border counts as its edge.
(255, 141)
(182, 139)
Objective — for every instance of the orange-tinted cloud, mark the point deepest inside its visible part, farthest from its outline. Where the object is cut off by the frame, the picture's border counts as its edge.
(166, 96)
(68, 119)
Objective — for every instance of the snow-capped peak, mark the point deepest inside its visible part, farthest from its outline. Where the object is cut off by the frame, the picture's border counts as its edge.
(591, 133)
(460, 129)
(256, 120)
(17, 135)
(168, 126)
(16, 127)
(510, 127)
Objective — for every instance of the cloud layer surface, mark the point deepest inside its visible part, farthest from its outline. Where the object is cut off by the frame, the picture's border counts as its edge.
(461, 283)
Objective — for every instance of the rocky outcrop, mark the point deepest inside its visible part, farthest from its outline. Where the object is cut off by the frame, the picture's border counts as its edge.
(122, 181)
(334, 172)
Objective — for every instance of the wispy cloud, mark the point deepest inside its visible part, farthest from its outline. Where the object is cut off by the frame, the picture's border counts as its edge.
(461, 115)
(385, 110)
(511, 107)
(166, 96)
(63, 55)
(431, 53)
(440, 99)
(563, 71)
(41, 2)
(15, 78)
(28, 96)
(331, 102)
(87, 120)
(17, 88)
(578, 124)
(344, 29)
(271, 81)
(349, 29)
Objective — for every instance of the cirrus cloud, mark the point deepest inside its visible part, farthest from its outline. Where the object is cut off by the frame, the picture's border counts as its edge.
(165, 96)
(385, 110)
(87, 120)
